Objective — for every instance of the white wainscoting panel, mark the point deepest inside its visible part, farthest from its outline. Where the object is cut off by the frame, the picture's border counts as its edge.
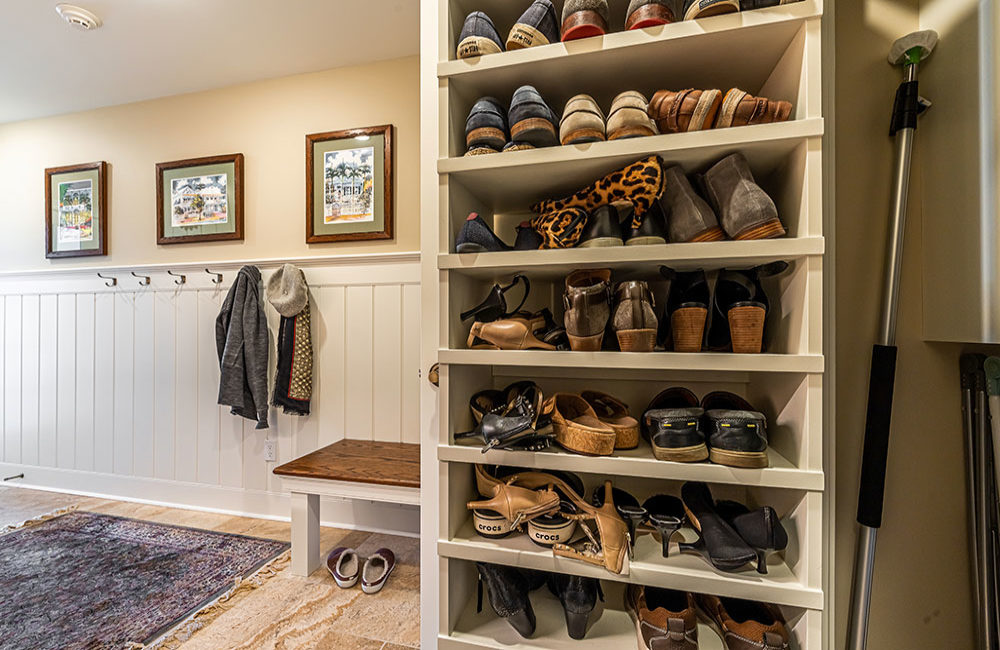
(123, 382)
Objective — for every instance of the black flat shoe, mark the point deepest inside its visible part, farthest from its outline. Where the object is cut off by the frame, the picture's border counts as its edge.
(673, 425)
(760, 528)
(476, 236)
(508, 591)
(578, 596)
(718, 542)
(666, 514)
(739, 309)
(494, 306)
(626, 505)
(687, 308)
(736, 432)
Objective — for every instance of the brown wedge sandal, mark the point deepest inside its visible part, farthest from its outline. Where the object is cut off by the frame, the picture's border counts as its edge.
(614, 413)
(634, 319)
(577, 426)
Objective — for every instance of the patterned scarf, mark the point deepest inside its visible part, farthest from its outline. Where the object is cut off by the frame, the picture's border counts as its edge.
(288, 293)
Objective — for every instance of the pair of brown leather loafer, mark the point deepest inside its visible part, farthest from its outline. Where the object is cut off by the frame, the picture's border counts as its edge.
(667, 619)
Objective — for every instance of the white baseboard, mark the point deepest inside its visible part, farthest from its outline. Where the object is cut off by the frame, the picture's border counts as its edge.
(338, 513)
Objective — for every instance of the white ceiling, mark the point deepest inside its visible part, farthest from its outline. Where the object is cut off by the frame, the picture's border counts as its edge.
(155, 48)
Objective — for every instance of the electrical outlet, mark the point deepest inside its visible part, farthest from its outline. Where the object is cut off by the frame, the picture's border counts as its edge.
(270, 451)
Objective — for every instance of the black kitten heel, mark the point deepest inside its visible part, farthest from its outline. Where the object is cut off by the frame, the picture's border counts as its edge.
(494, 307)
(760, 528)
(666, 514)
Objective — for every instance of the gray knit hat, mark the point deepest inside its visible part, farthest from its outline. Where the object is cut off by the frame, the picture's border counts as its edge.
(287, 291)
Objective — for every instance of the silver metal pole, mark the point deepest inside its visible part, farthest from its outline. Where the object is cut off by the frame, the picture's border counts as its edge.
(987, 601)
(857, 633)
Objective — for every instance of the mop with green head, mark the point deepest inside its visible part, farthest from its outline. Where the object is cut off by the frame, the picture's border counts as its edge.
(907, 52)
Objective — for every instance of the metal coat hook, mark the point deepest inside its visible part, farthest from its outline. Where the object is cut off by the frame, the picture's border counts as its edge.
(144, 281)
(218, 276)
(183, 278)
(114, 280)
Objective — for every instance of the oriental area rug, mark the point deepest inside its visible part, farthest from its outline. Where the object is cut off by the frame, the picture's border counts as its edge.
(85, 580)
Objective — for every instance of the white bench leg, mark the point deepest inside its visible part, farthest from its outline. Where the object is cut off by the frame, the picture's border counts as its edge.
(305, 533)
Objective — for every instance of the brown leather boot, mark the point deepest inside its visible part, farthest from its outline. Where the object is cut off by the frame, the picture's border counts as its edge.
(685, 110)
(740, 108)
(744, 624)
(587, 303)
(634, 321)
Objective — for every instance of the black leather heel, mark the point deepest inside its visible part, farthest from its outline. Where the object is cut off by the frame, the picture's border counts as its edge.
(687, 309)
(578, 596)
(761, 529)
(717, 541)
(508, 591)
(666, 514)
(494, 307)
(740, 297)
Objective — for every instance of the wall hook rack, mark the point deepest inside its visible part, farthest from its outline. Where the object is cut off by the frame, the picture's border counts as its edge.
(218, 276)
(114, 280)
(144, 281)
(183, 278)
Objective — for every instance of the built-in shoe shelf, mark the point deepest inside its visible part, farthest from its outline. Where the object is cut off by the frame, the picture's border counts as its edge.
(610, 628)
(773, 52)
(685, 571)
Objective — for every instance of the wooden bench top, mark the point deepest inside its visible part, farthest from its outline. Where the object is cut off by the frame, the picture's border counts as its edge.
(360, 461)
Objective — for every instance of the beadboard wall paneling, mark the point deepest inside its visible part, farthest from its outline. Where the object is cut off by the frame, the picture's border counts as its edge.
(123, 381)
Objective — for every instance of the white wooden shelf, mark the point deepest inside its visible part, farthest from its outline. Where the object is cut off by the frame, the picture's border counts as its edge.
(684, 571)
(640, 462)
(689, 53)
(512, 180)
(551, 264)
(652, 361)
(611, 628)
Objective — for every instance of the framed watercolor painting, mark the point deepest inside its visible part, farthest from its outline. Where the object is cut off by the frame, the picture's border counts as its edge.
(76, 210)
(349, 192)
(199, 199)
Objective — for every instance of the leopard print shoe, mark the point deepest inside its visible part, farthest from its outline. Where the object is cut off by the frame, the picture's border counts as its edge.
(640, 184)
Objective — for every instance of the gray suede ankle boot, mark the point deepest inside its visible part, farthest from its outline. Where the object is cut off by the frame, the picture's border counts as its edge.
(588, 307)
(744, 209)
(689, 217)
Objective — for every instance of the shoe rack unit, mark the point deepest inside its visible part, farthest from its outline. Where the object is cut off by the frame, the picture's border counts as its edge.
(773, 52)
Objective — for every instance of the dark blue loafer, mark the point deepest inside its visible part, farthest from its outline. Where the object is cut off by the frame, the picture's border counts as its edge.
(538, 25)
(479, 36)
(486, 125)
(531, 119)
(476, 236)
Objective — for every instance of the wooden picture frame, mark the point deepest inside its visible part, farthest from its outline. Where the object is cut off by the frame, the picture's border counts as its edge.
(210, 227)
(324, 223)
(97, 179)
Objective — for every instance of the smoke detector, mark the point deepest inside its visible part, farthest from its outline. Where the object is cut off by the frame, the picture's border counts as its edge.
(78, 17)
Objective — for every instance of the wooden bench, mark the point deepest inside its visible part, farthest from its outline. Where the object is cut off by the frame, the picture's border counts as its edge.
(348, 469)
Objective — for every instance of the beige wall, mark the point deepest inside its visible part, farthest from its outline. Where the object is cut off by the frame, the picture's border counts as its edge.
(266, 121)
(922, 597)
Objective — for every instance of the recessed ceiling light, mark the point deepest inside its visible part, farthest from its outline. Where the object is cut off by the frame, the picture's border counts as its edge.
(78, 17)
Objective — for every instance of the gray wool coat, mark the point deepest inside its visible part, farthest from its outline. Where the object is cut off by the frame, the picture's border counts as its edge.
(241, 339)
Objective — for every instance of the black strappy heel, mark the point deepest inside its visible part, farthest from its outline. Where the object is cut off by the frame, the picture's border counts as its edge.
(626, 505)
(494, 307)
(511, 419)
(666, 514)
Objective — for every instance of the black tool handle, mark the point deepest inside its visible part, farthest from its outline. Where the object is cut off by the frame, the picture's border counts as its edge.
(873, 460)
(906, 107)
